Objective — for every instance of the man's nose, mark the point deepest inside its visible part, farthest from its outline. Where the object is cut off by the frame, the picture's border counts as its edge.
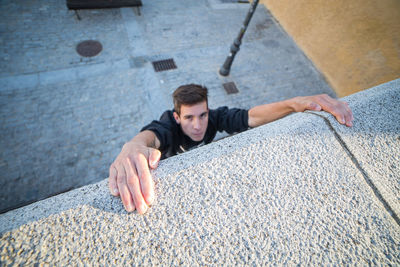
(196, 124)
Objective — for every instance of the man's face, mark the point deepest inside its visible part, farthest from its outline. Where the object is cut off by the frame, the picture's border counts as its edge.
(193, 120)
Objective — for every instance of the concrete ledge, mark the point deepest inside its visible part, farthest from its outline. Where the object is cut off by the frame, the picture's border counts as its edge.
(374, 141)
(284, 193)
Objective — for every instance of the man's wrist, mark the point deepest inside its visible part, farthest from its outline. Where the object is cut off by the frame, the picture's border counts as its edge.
(293, 104)
(146, 138)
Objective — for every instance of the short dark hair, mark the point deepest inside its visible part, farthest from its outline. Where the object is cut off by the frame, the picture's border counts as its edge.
(189, 94)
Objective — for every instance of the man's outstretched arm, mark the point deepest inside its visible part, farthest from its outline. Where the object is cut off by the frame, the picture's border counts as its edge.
(129, 175)
(263, 114)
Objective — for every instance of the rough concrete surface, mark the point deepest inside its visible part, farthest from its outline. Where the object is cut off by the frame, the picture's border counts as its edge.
(375, 138)
(64, 118)
(284, 193)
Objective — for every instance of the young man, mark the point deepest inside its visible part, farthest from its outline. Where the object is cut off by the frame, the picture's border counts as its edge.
(190, 125)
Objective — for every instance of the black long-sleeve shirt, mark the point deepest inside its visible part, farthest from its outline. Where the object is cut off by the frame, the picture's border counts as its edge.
(173, 141)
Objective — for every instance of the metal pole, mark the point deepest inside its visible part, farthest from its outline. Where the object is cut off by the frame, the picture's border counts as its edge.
(225, 69)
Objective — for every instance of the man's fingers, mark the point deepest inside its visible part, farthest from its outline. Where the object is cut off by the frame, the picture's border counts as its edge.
(112, 181)
(326, 103)
(154, 157)
(334, 107)
(146, 181)
(123, 189)
(134, 186)
(314, 106)
(348, 115)
(342, 112)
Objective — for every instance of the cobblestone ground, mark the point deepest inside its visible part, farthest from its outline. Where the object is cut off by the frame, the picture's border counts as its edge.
(64, 117)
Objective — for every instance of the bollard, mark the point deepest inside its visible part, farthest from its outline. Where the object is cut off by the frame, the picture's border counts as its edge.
(225, 69)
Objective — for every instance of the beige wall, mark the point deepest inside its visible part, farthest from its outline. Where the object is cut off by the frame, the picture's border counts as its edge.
(354, 43)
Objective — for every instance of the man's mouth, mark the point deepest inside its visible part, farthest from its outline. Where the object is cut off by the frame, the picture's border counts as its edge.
(197, 134)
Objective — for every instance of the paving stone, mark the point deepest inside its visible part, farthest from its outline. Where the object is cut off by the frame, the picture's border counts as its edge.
(20, 81)
(57, 31)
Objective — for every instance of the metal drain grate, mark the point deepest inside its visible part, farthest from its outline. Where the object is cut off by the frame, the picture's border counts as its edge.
(230, 88)
(89, 48)
(161, 65)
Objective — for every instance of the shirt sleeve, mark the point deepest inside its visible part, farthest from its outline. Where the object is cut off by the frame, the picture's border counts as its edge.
(163, 129)
(232, 120)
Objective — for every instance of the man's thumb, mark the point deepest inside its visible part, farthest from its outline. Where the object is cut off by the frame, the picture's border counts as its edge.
(154, 158)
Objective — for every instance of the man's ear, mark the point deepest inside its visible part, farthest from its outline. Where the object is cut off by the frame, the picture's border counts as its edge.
(176, 117)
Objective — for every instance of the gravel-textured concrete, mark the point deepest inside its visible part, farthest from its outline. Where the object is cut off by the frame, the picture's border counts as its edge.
(64, 118)
(284, 193)
(374, 140)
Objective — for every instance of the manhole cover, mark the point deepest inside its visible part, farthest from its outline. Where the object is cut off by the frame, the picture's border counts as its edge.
(89, 48)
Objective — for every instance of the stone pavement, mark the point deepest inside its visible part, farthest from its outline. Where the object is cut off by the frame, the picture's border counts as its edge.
(64, 118)
(303, 190)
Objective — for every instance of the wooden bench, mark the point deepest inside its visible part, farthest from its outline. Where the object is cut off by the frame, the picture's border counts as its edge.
(93, 4)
